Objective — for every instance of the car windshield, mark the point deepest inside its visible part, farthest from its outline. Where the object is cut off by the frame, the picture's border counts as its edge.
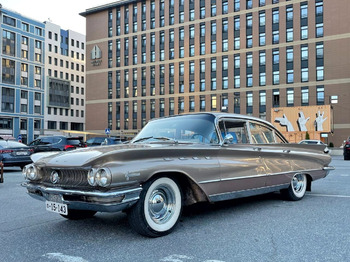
(187, 128)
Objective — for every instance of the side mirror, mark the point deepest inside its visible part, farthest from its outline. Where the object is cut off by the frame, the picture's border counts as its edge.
(228, 139)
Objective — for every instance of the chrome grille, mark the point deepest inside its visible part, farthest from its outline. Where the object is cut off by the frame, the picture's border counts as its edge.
(68, 178)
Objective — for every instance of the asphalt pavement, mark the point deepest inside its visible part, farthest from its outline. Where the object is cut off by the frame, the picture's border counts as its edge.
(261, 228)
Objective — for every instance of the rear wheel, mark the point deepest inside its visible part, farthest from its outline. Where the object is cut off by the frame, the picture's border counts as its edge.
(297, 188)
(346, 157)
(75, 214)
(158, 210)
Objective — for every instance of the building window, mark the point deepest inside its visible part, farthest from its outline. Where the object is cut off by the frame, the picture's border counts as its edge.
(320, 73)
(262, 39)
(262, 79)
(237, 81)
(8, 71)
(7, 100)
(237, 5)
(276, 98)
(275, 16)
(319, 30)
(249, 80)
(289, 35)
(304, 96)
(8, 43)
(320, 95)
(275, 37)
(290, 97)
(276, 77)
(303, 11)
(237, 43)
(290, 76)
(304, 32)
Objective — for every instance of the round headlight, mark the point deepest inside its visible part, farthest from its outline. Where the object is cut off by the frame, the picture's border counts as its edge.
(103, 177)
(92, 177)
(31, 173)
(24, 172)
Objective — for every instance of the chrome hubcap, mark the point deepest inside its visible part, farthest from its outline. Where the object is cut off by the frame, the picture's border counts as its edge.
(298, 183)
(161, 204)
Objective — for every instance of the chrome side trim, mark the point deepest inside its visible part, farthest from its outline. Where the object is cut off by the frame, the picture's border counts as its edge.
(246, 193)
(329, 168)
(267, 174)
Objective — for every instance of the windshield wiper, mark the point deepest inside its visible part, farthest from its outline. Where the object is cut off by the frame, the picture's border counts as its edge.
(164, 138)
(142, 139)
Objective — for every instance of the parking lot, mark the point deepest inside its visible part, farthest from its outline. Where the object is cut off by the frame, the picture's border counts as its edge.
(262, 228)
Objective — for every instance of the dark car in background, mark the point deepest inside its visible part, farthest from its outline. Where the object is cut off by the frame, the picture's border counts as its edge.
(57, 143)
(13, 153)
(101, 141)
(346, 149)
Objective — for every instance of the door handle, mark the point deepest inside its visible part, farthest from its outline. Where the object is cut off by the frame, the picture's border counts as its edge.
(257, 149)
(286, 151)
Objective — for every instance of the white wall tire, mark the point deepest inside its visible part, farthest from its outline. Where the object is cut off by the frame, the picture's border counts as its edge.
(159, 208)
(297, 188)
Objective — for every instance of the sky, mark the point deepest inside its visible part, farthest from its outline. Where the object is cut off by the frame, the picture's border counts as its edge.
(64, 13)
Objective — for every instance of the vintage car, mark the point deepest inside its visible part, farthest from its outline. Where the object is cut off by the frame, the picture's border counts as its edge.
(175, 161)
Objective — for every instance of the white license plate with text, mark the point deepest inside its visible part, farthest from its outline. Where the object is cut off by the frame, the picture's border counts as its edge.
(57, 207)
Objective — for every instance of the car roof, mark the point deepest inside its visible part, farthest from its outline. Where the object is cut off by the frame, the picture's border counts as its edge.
(221, 115)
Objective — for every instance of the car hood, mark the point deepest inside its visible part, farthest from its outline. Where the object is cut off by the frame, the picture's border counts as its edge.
(89, 156)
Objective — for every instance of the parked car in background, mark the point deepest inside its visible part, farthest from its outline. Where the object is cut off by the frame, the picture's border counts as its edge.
(13, 153)
(56, 143)
(346, 149)
(311, 142)
(102, 141)
(175, 161)
(314, 142)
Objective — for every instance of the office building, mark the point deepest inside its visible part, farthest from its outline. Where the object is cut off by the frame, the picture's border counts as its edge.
(65, 80)
(155, 58)
(22, 76)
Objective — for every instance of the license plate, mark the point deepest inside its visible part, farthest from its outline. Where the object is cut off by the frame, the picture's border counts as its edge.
(57, 207)
(21, 153)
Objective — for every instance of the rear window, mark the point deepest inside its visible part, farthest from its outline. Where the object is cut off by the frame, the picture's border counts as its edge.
(10, 144)
(73, 141)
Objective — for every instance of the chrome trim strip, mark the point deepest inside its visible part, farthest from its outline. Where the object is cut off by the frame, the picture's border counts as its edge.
(246, 193)
(329, 168)
(267, 174)
(209, 181)
(60, 191)
(242, 177)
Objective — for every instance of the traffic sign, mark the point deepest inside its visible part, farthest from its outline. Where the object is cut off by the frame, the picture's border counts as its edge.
(19, 137)
(107, 131)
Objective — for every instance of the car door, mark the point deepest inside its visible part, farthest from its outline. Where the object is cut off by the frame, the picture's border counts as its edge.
(274, 154)
(240, 162)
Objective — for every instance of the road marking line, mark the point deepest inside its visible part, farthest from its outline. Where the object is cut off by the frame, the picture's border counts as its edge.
(323, 195)
(64, 258)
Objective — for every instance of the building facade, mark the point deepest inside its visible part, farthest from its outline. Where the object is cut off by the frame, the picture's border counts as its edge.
(65, 80)
(155, 58)
(22, 76)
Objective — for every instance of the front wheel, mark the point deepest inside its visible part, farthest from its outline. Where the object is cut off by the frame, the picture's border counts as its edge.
(297, 188)
(158, 209)
(75, 214)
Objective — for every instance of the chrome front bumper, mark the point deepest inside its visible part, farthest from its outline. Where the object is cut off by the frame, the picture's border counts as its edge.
(110, 201)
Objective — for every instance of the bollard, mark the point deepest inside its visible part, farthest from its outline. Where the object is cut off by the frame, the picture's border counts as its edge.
(1, 172)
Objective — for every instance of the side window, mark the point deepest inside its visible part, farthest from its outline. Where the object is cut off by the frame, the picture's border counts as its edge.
(261, 134)
(45, 141)
(237, 129)
(56, 140)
